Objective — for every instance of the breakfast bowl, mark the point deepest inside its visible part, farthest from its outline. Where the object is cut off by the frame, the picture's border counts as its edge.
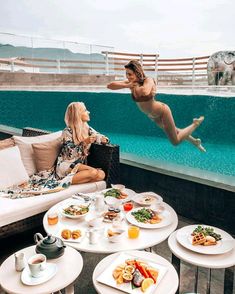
(95, 221)
(113, 202)
(118, 186)
(74, 210)
(147, 199)
(115, 235)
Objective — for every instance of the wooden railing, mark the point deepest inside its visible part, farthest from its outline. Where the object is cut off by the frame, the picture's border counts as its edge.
(181, 71)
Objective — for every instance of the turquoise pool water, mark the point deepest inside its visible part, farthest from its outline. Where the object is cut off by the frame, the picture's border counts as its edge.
(117, 116)
(219, 158)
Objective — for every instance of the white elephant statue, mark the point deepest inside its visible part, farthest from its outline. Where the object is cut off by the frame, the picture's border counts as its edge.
(221, 68)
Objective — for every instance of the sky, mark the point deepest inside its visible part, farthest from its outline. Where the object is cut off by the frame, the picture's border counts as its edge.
(171, 28)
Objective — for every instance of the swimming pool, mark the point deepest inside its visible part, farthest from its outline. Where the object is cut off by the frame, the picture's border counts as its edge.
(142, 143)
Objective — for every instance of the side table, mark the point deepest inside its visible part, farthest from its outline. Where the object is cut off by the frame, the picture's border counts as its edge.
(168, 284)
(69, 268)
(215, 261)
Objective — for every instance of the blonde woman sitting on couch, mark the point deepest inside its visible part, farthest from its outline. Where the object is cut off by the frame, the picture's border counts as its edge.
(77, 138)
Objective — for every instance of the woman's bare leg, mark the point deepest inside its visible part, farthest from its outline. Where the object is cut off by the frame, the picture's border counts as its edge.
(177, 136)
(100, 175)
(195, 141)
(87, 174)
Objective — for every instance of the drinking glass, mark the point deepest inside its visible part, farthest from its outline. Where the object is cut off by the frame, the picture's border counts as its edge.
(52, 217)
(133, 232)
(127, 206)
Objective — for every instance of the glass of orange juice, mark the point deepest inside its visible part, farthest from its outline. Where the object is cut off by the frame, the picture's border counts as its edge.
(133, 232)
(52, 217)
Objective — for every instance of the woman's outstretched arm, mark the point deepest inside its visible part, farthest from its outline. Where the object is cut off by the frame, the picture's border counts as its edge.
(117, 85)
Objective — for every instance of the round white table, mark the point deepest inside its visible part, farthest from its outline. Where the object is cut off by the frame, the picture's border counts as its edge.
(146, 239)
(168, 284)
(215, 261)
(10, 279)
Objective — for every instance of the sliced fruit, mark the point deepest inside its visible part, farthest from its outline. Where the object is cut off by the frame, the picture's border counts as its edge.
(127, 277)
(130, 262)
(146, 284)
(120, 280)
(153, 272)
(121, 266)
(117, 273)
(129, 269)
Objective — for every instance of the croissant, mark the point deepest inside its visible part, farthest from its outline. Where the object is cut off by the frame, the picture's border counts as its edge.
(66, 234)
(76, 234)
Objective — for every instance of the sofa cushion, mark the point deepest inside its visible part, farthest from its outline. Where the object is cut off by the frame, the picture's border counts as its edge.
(46, 153)
(6, 143)
(12, 171)
(13, 210)
(26, 149)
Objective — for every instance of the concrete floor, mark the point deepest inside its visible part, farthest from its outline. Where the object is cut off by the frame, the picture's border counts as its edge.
(84, 284)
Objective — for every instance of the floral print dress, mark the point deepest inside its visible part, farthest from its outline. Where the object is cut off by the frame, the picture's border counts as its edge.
(71, 154)
(55, 179)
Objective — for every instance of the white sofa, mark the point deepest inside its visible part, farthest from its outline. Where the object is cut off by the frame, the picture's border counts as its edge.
(13, 210)
(19, 214)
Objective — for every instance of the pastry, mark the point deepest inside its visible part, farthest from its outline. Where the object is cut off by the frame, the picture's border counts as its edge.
(76, 234)
(199, 239)
(66, 234)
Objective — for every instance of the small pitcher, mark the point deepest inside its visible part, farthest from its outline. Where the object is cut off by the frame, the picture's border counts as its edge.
(93, 235)
(20, 261)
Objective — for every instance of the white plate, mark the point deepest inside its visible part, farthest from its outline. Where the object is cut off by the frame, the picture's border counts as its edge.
(139, 198)
(47, 274)
(166, 220)
(71, 240)
(72, 202)
(129, 192)
(184, 237)
(107, 278)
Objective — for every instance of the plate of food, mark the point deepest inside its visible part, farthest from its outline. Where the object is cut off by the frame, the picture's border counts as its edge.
(148, 218)
(131, 274)
(120, 194)
(74, 209)
(70, 234)
(205, 239)
(111, 214)
(147, 198)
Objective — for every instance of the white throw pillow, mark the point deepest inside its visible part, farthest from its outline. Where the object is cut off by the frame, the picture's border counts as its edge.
(12, 170)
(26, 149)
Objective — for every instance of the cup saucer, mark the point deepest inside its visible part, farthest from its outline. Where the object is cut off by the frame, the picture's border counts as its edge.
(48, 273)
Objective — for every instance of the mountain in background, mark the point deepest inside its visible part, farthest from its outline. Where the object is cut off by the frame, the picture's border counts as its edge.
(7, 51)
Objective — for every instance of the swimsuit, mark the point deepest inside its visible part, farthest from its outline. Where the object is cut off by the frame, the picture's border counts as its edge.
(146, 104)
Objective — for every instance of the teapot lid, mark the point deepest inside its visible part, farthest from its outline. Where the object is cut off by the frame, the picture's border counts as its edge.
(49, 240)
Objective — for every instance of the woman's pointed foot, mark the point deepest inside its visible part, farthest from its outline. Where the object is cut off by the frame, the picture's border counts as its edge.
(198, 143)
(201, 148)
(198, 121)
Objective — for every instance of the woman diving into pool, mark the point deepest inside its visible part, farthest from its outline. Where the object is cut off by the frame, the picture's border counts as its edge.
(143, 90)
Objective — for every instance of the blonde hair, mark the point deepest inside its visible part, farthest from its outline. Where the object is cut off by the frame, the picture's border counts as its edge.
(73, 120)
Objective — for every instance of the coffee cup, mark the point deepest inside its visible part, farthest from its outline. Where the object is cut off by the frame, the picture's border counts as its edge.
(37, 264)
(99, 138)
